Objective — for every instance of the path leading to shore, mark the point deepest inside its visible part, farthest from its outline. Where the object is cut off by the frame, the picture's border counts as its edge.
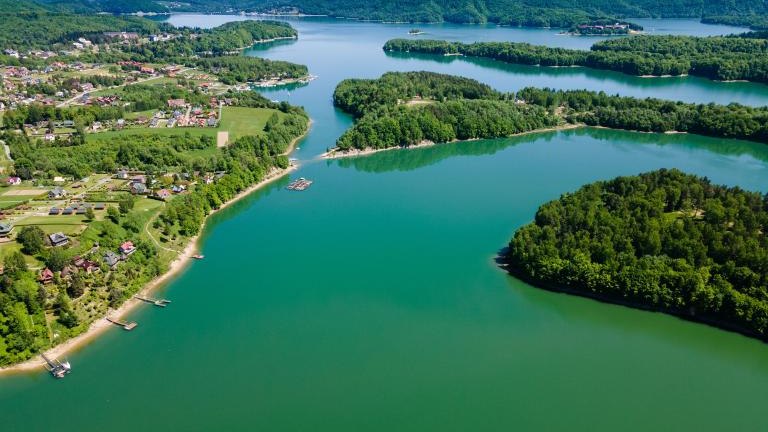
(154, 240)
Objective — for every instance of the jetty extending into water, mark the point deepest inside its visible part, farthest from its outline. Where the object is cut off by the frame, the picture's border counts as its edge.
(300, 184)
(127, 326)
(154, 301)
(56, 368)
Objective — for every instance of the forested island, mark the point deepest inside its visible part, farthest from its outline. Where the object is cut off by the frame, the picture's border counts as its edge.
(405, 109)
(664, 241)
(737, 57)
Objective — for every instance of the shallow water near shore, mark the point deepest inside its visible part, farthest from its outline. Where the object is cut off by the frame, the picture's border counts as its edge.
(371, 301)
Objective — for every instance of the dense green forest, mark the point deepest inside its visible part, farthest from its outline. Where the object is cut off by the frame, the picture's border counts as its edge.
(402, 109)
(34, 30)
(529, 13)
(653, 115)
(722, 58)
(532, 13)
(663, 240)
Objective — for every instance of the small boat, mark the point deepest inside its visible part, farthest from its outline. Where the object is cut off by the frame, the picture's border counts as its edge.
(198, 256)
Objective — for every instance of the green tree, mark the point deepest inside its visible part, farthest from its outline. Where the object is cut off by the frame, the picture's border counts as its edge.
(15, 264)
(57, 259)
(32, 239)
(126, 204)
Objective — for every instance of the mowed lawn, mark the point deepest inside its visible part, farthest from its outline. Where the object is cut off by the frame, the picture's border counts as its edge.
(68, 224)
(238, 121)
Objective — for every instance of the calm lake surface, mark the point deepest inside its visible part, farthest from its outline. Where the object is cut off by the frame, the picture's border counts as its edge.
(371, 301)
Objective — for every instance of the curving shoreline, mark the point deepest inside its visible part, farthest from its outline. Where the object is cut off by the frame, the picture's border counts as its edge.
(175, 268)
(336, 153)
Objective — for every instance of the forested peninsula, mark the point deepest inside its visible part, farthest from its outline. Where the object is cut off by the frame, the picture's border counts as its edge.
(402, 109)
(737, 57)
(664, 241)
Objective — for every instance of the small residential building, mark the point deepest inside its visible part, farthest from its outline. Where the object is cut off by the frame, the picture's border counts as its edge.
(13, 181)
(127, 248)
(163, 194)
(59, 179)
(5, 229)
(138, 188)
(176, 103)
(54, 211)
(111, 259)
(99, 206)
(178, 188)
(46, 276)
(139, 179)
(58, 239)
(49, 137)
(68, 211)
(122, 174)
(57, 193)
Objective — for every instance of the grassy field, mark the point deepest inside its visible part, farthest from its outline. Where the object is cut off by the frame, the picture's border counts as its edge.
(245, 121)
(109, 135)
(238, 121)
(70, 224)
(10, 247)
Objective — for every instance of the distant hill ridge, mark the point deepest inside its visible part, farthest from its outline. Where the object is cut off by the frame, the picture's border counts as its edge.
(530, 13)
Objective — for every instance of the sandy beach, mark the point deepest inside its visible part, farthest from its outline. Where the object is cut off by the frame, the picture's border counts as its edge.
(174, 269)
(336, 153)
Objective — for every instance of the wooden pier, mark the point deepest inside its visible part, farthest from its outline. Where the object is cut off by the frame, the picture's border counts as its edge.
(57, 368)
(154, 301)
(124, 324)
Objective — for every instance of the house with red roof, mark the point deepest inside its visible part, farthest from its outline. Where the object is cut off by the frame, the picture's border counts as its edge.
(46, 276)
(127, 248)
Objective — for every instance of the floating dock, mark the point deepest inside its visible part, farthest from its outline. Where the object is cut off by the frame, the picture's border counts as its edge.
(300, 184)
(57, 368)
(124, 324)
(154, 301)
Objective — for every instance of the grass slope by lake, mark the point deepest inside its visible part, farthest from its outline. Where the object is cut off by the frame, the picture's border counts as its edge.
(238, 121)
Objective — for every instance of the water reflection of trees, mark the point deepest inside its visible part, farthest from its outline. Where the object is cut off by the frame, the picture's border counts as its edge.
(411, 159)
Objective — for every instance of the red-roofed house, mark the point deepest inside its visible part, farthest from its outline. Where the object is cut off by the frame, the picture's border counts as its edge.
(163, 194)
(176, 103)
(127, 248)
(46, 276)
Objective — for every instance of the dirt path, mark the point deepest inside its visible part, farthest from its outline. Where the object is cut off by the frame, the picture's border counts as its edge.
(222, 138)
(154, 240)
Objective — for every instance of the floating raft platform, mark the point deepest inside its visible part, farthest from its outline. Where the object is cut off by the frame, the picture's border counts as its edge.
(127, 326)
(300, 184)
(154, 301)
(57, 368)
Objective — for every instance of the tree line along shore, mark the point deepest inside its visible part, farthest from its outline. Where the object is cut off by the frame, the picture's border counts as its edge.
(736, 57)
(402, 109)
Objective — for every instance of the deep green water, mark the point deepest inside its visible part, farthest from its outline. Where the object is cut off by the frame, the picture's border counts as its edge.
(371, 302)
